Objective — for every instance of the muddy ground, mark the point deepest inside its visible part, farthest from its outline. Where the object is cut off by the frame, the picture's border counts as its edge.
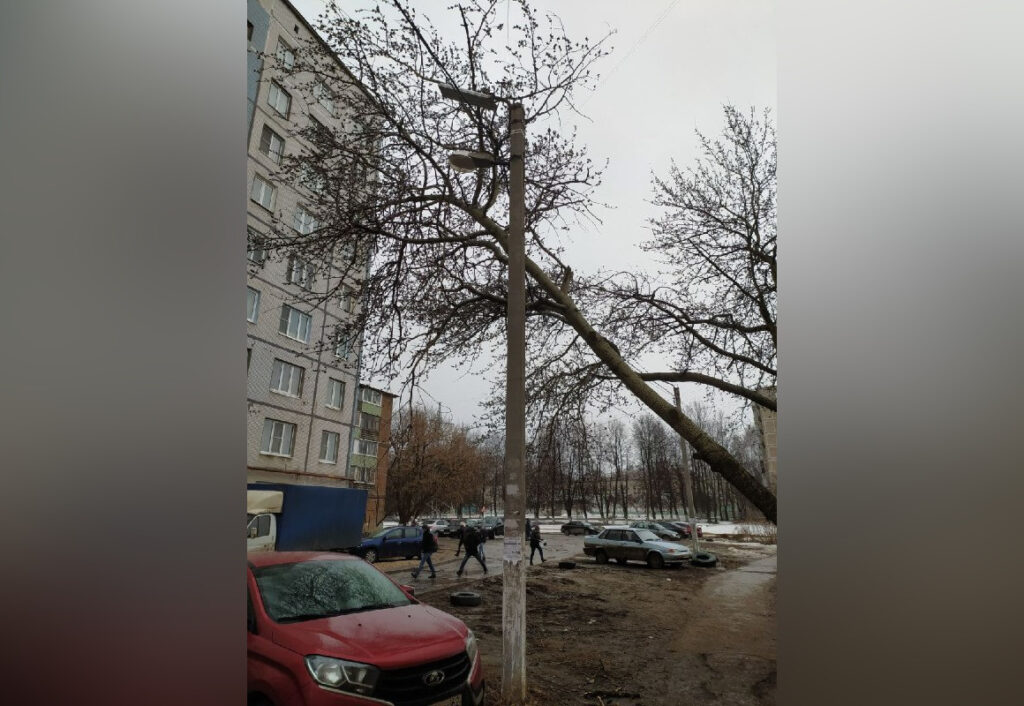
(631, 636)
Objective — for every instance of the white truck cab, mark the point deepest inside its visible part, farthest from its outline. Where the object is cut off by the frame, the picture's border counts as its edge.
(261, 507)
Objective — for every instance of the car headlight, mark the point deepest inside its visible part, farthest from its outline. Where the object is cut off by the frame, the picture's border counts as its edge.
(342, 674)
(471, 649)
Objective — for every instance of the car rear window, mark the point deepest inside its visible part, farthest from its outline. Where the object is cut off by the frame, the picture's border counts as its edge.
(316, 589)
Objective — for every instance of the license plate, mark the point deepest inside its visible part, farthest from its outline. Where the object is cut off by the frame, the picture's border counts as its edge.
(450, 701)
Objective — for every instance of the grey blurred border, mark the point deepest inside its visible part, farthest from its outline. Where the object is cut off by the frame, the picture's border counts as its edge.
(123, 421)
(902, 302)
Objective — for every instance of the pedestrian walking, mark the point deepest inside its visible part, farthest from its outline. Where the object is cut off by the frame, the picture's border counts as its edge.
(471, 541)
(461, 534)
(483, 540)
(428, 546)
(535, 544)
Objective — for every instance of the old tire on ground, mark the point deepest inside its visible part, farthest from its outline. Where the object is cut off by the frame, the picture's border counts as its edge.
(569, 564)
(464, 598)
(704, 559)
(655, 560)
(601, 556)
(622, 561)
(371, 556)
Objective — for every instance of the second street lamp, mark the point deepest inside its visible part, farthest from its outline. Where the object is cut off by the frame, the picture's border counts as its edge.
(513, 606)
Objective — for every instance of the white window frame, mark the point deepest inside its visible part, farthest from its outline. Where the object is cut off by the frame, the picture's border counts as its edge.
(348, 300)
(361, 446)
(260, 190)
(275, 430)
(274, 96)
(373, 427)
(325, 446)
(372, 396)
(252, 305)
(301, 323)
(285, 54)
(287, 378)
(300, 272)
(303, 221)
(325, 97)
(254, 251)
(335, 389)
(271, 136)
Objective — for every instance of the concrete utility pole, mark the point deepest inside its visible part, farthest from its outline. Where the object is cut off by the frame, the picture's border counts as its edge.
(687, 481)
(513, 608)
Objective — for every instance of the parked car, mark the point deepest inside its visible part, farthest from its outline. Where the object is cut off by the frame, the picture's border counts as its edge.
(579, 527)
(450, 528)
(438, 527)
(685, 529)
(391, 543)
(662, 532)
(493, 526)
(329, 630)
(627, 544)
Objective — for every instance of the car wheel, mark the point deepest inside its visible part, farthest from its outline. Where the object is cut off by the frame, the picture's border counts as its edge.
(655, 560)
(258, 700)
(704, 559)
(601, 556)
(621, 561)
(371, 556)
(464, 598)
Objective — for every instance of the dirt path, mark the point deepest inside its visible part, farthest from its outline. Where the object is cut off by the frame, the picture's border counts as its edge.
(632, 636)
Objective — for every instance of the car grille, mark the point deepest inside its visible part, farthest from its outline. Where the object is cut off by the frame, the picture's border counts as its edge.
(405, 687)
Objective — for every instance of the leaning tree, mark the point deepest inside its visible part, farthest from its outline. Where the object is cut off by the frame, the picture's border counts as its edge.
(428, 245)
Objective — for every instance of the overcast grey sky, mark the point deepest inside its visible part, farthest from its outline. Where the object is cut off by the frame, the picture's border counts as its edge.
(674, 64)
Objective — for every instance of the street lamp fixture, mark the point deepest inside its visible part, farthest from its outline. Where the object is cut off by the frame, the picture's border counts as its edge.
(470, 161)
(478, 99)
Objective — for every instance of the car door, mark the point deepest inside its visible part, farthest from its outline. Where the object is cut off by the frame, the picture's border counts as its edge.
(412, 540)
(613, 544)
(391, 544)
(633, 548)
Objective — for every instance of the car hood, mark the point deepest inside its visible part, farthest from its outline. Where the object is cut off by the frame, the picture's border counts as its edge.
(387, 638)
(665, 546)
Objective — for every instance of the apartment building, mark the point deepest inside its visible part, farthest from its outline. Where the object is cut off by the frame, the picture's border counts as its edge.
(766, 421)
(309, 421)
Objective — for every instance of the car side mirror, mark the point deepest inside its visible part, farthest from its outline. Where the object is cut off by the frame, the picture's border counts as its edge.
(409, 589)
(252, 533)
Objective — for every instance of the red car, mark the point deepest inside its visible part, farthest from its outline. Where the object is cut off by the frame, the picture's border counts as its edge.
(333, 630)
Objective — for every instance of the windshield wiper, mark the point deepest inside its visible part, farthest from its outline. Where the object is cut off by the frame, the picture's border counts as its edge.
(306, 616)
(375, 606)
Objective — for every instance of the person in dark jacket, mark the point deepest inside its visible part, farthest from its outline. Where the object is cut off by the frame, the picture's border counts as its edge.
(428, 546)
(535, 544)
(461, 534)
(471, 541)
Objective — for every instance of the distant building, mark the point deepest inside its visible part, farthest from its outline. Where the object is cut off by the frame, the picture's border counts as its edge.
(766, 421)
(309, 419)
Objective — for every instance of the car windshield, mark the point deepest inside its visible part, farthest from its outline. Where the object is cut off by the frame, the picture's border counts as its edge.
(646, 535)
(318, 589)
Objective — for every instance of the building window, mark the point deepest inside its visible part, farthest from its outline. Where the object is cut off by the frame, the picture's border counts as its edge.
(344, 347)
(248, 31)
(372, 396)
(369, 422)
(300, 272)
(313, 180)
(362, 475)
(279, 100)
(348, 300)
(272, 144)
(278, 438)
(335, 393)
(366, 448)
(263, 192)
(285, 55)
(255, 250)
(303, 221)
(248, 358)
(324, 96)
(295, 324)
(252, 305)
(329, 447)
(286, 378)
